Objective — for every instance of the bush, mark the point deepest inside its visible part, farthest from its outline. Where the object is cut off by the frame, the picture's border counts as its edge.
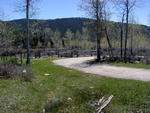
(10, 70)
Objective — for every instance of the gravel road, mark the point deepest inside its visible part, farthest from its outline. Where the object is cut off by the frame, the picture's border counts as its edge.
(104, 69)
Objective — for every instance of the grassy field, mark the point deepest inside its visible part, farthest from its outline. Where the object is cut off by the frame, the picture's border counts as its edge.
(61, 90)
(134, 65)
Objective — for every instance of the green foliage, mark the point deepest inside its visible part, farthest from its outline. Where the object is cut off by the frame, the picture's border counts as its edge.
(134, 65)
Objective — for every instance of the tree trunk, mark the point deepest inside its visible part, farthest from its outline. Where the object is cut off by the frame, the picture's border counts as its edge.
(28, 43)
(98, 49)
(121, 37)
(97, 31)
(131, 50)
(126, 37)
(108, 40)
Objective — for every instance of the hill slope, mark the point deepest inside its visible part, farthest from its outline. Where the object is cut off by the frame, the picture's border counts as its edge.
(63, 24)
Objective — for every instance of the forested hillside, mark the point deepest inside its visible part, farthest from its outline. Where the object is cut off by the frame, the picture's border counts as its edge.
(63, 24)
(70, 33)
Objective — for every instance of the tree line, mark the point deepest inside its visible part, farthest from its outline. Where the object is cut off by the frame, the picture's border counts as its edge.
(98, 11)
(98, 32)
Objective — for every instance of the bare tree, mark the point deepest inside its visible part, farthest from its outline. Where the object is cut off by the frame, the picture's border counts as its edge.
(69, 36)
(95, 8)
(48, 33)
(107, 15)
(56, 38)
(27, 7)
(132, 33)
(126, 6)
(85, 38)
(27, 20)
(78, 37)
(121, 34)
(6, 34)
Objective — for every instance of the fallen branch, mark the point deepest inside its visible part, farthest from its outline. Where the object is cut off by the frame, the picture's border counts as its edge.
(103, 102)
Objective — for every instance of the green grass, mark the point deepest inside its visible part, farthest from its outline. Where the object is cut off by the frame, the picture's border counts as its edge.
(134, 65)
(18, 96)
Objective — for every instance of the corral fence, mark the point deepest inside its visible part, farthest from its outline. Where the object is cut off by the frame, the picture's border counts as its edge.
(17, 55)
(138, 55)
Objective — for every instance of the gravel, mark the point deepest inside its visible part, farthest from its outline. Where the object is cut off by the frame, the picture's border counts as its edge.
(104, 69)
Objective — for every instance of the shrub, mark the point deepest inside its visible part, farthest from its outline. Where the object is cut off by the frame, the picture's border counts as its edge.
(11, 70)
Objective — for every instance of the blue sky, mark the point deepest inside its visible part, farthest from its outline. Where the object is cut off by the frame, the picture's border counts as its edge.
(51, 9)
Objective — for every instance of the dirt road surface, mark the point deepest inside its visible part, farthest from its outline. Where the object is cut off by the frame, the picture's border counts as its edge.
(104, 69)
